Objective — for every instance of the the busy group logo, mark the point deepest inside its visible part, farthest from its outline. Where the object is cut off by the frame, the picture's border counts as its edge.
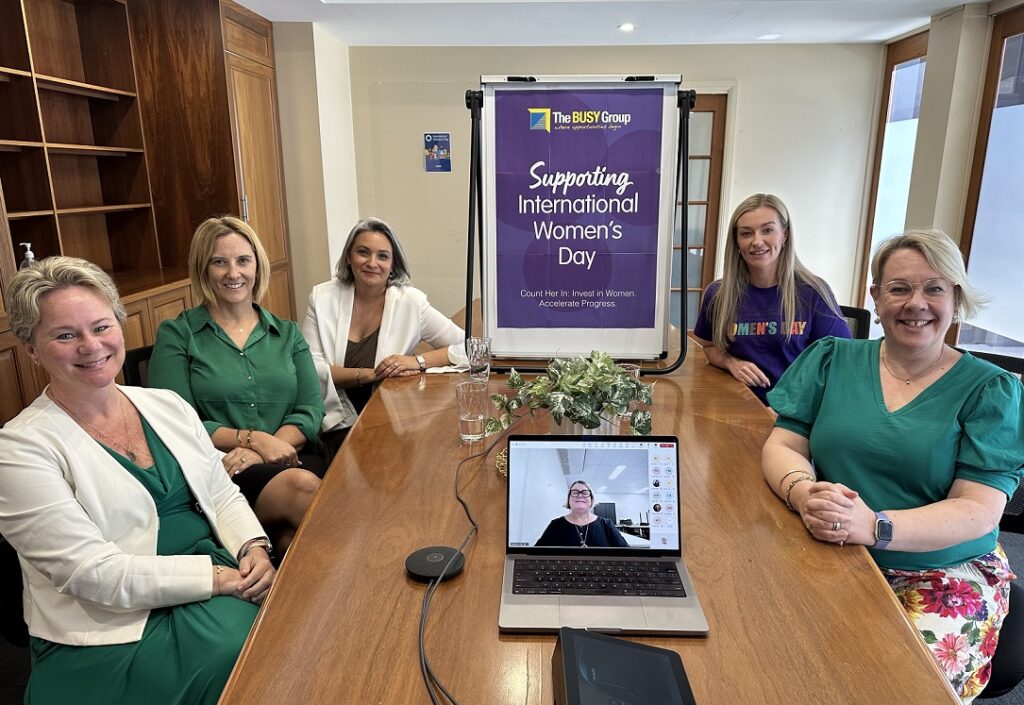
(540, 119)
(547, 119)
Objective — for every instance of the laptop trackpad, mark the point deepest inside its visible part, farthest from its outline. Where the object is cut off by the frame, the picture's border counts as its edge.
(598, 612)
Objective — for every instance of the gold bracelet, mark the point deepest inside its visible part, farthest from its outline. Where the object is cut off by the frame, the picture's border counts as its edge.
(359, 373)
(248, 437)
(793, 484)
(238, 438)
(787, 475)
(219, 569)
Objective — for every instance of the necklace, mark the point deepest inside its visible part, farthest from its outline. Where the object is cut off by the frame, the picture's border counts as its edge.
(243, 326)
(583, 535)
(908, 380)
(128, 452)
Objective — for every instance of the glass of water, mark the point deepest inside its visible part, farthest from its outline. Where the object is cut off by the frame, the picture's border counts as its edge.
(472, 401)
(478, 350)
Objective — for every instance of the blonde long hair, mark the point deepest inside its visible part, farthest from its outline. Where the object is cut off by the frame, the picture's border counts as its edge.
(736, 277)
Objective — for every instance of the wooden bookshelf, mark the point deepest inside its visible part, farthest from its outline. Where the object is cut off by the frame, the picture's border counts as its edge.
(123, 124)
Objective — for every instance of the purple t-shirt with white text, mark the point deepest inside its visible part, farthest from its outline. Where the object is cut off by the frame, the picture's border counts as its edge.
(759, 331)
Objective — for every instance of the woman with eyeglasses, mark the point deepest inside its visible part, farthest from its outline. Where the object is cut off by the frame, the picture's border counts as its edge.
(915, 449)
(581, 528)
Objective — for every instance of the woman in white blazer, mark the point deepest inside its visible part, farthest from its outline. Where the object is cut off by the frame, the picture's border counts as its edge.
(364, 325)
(133, 540)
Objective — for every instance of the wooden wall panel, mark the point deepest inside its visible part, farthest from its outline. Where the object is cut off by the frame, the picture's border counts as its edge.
(187, 131)
(11, 392)
(247, 34)
(138, 328)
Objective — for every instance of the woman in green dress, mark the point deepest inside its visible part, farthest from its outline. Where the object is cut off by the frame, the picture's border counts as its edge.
(143, 565)
(248, 374)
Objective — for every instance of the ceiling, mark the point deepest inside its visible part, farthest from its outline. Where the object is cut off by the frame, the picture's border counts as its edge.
(586, 22)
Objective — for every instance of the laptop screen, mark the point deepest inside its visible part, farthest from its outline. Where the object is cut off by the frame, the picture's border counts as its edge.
(601, 492)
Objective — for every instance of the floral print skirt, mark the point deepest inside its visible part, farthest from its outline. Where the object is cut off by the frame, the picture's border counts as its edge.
(958, 611)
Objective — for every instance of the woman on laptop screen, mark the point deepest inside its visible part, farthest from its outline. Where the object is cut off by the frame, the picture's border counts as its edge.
(581, 528)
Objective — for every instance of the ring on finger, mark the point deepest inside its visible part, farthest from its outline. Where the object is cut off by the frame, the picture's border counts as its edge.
(837, 525)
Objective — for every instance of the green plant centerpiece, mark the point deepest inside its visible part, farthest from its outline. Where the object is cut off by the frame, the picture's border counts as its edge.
(584, 390)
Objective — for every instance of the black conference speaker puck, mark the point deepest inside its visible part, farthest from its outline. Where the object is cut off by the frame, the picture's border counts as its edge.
(427, 563)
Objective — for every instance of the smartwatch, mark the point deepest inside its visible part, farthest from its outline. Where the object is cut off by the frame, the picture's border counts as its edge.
(883, 531)
(423, 363)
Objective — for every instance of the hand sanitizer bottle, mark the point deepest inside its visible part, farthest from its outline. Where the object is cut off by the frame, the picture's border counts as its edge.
(29, 258)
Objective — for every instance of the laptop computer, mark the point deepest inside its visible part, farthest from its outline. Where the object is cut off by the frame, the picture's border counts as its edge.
(593, 537)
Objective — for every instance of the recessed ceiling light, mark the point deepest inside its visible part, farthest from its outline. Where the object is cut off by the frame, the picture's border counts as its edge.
(627, 27)
(769, 37)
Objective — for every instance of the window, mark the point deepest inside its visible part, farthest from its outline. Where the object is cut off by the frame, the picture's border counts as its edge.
(992, 239)
(894, 151)
(704, 170)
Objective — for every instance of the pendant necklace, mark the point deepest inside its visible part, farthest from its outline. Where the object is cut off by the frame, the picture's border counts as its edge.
(128, 452)
(583, 535)
(908, 380)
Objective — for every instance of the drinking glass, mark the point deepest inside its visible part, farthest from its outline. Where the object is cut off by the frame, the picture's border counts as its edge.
(478, 350)
(472, 400)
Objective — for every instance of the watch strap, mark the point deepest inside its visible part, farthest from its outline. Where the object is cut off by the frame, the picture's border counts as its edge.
(263, 542)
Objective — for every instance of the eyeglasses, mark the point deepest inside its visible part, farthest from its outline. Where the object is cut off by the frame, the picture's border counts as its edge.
(579, 493)
(931, 289)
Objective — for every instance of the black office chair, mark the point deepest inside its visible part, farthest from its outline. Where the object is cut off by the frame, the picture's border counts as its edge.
(859, 321)
(136, 366)
(1008, 662)
(1013, 365)
(12, 615)
(1013, 513)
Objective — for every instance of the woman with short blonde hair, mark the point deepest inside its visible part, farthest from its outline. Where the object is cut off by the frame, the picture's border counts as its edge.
(142, 563)
(911, 448)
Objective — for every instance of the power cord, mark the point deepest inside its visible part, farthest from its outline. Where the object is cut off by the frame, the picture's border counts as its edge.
(435, 688)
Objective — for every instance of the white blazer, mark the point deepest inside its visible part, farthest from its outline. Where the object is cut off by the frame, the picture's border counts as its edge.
(408, 318)
(86, 530)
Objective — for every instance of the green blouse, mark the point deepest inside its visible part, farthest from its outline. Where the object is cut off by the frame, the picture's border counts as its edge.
(269, 383)
(966, 425)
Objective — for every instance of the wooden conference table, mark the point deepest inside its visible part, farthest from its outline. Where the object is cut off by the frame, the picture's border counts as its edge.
(792, 620)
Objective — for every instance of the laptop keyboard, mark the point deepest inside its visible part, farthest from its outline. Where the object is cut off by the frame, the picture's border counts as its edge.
(596, 577)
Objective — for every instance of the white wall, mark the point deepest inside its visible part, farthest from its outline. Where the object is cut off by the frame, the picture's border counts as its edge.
(318, 150)
(800, 125)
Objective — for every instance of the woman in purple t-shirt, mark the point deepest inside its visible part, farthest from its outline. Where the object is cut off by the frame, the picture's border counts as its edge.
(768, 307)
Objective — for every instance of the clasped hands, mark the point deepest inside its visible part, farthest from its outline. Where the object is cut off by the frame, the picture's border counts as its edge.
(250, 581)
(834, 513)
(397, 366)
(266, 448)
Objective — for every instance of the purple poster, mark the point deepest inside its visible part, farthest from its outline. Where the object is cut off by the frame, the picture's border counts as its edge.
(577, 180)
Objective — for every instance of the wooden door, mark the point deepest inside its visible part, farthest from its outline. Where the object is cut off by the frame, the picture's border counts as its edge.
(278, 299)
(253, 93)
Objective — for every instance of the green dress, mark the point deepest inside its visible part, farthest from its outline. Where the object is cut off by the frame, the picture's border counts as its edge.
(186, 652)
